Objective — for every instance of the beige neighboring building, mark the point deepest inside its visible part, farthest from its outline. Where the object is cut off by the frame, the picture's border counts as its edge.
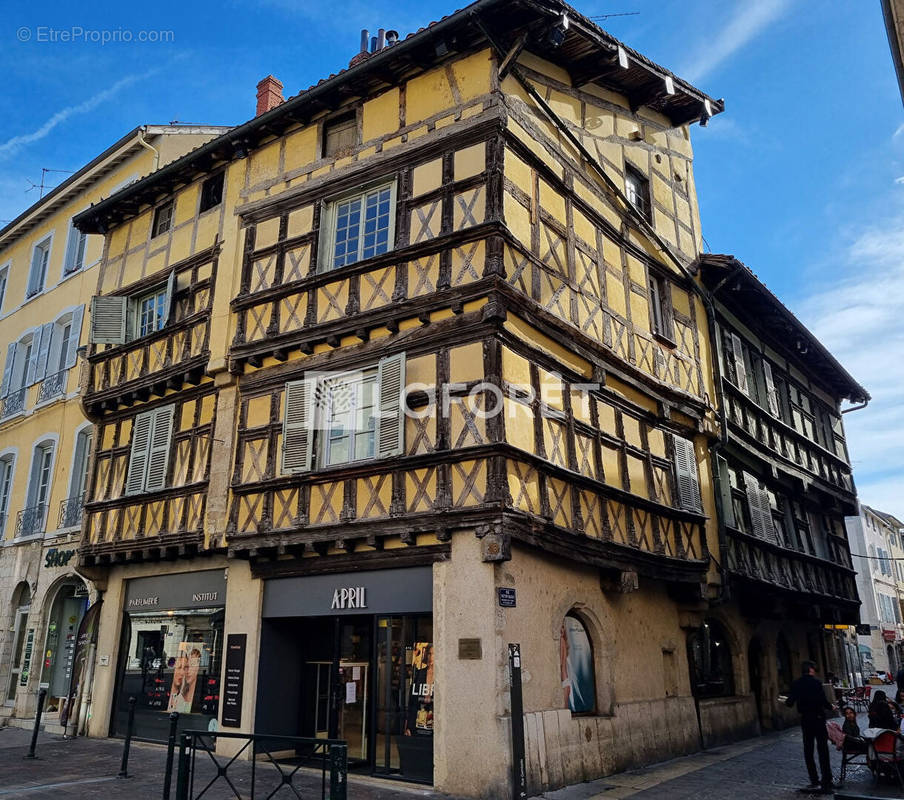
(48, 274)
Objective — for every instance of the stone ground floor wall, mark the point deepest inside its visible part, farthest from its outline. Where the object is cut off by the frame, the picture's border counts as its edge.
(31, 572)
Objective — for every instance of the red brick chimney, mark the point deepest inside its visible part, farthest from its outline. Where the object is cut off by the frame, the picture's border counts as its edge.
(269, 94)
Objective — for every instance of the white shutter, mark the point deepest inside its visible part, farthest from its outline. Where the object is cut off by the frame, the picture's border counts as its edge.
(108, 320)
(159, 450)
(75, 336)
(138, 458)
(298, 425)
(740, 369)
(8, 368)
(760, 510)
(771, 394)
(686, 475)
(391, 419)
(43, 351)
(168, 300)
(728, 517)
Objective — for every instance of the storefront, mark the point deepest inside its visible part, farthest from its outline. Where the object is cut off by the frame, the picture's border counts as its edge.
(170, 653)
(350, 656)
(65, 613)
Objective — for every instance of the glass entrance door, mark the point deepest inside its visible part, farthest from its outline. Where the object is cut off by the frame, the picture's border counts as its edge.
(19, 649)
(404, 697)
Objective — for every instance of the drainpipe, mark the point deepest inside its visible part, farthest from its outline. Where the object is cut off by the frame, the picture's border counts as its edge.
(154, 150)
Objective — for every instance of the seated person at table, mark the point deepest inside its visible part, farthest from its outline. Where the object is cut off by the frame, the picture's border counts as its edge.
(880, 713)
(851, 730)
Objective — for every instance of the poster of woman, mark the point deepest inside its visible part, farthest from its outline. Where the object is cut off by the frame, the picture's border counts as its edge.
(576, 666)
(185, 679)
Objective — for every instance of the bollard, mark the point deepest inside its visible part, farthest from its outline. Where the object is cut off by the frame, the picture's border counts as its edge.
(170, 748)
(124, 768)
(338, 758)
(42, 695)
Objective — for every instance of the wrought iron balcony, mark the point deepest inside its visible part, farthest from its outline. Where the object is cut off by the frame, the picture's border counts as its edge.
(71, 511)
(53, 386)
(31, 520)
(13, 403)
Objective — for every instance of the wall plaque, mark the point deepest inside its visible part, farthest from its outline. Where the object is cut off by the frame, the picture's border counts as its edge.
(470, 650)
(506, 597)
(234, 682)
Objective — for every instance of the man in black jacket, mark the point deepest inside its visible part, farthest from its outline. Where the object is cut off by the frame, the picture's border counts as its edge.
(808, 694)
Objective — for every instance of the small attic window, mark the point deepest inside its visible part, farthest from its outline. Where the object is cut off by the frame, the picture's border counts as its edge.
(340, 136)
(211, 193)
(637, 190)
(163, 219)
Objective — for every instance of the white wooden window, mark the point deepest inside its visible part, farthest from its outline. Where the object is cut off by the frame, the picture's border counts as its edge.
(75, 250)
(687, 478)
(163, 219)
(116, 319)
(6, 486)
(37, 276)
(637, 190)
(358, 226)
(339, 419)
(149, 457)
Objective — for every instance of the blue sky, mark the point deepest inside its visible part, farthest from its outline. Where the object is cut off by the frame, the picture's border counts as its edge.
(802, 177)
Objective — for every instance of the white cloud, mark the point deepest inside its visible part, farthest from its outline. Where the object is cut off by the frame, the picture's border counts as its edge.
(745, 24)
(860, 318)
(16, 143)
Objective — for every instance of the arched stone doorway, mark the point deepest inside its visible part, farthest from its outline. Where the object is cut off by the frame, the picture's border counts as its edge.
(65, 607)
(21, 654)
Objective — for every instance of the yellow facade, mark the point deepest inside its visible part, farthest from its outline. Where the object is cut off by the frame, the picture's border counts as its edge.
(45, 438)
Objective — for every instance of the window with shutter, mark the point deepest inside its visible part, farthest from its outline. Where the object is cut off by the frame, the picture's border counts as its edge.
(686, 476)
(108, 320)
(138, 457)
(771, 394)
(74, 336)
(75, 250)
(33, 351)
(40, 258)
(159, 449)
(8, 368)
(760, 509)
(728, 516)
(298, 434)
(4, 278)
(46, 335)
(740, 367)
(391, 422)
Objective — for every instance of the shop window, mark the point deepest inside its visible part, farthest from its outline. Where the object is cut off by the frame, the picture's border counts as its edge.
(149, 457)
(358, 226)
(339, 419)
(163, 218)
(37, 276)
(576, 666)
(340, 136)
(687, 478)
(709, 658)
(211, 192)
(637, 190)
(117, 319)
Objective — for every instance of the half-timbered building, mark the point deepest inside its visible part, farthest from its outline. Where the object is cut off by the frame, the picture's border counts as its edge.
(407, 368)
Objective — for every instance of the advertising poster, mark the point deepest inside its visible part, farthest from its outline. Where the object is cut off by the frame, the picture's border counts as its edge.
(576, 664)
(420, 706)
(185, 677)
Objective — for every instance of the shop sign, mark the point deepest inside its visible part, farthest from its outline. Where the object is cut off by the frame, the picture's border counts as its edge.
(889, 636)
(506, 597)
(182, 590)
(58, 558)
(234, 682)
(400, 590)
(349, 597)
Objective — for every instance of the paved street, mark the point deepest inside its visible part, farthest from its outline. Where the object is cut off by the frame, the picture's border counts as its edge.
(767, 767)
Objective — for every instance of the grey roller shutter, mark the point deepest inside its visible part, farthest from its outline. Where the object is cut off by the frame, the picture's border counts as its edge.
(391, 419)
(108, 320)
(298, 424)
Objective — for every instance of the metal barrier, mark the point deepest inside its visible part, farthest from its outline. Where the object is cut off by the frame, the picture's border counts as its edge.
(261, 767)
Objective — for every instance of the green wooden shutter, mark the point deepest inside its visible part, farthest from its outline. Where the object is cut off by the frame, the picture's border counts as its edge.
(298, 426)
(138, 457)
(108, 320)
(686, 476)
(159, 450)
(391, 419)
